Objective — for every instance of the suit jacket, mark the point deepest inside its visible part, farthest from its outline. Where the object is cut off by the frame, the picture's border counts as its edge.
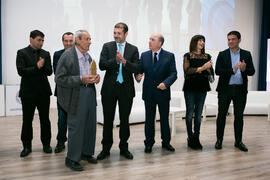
(224, 69)
(68, 81)
(108, 62)
(165, 72)
(56, 57)
(34, 81)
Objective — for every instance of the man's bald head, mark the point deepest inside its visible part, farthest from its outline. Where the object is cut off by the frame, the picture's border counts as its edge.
(155, 42)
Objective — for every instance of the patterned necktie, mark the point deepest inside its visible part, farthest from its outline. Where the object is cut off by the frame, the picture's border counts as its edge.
(120, 75)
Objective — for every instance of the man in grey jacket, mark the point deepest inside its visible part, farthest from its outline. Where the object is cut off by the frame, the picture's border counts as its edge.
(76, 94)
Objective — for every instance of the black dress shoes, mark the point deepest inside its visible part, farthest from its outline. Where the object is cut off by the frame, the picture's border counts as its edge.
(241, 146)
(148, 149)
(47, 149)
(194, 143)
(126, 154)
(168, 147)
(191, 143)
(198, 144)
(218, 144)
(59, 148)
(25, 152)
(75, 166)
(90, 159)
(103, 154)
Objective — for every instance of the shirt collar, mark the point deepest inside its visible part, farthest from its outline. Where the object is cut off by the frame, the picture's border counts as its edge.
(80, 55)
(153, 53)
(237, 52)
(34, 50)
(123, 44)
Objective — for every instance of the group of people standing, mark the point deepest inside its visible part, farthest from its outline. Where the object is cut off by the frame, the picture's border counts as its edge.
(76, 93)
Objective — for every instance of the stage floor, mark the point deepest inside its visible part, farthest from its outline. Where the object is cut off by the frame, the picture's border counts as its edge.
(184, 163)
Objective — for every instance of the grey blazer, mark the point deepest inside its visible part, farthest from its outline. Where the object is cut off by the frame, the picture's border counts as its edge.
(67, 78)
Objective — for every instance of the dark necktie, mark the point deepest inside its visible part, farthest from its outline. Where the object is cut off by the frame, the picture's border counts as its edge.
(155, 58)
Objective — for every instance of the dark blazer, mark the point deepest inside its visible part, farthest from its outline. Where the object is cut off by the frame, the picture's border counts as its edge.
(108, 62)
(165, 72)
(34, 81)
(224, 69)
(56, 57)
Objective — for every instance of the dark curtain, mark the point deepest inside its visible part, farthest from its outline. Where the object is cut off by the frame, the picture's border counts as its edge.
(265, 34)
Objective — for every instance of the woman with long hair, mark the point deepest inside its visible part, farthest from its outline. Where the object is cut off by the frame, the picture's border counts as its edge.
(197, 69)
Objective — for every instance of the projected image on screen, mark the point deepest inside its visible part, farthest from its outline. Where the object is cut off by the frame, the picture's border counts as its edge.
(217, 21)
(177, 20)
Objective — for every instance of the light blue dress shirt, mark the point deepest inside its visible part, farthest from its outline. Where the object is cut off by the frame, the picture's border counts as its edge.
(236, 78)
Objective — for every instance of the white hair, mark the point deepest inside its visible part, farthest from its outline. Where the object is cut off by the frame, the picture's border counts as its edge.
(79, 34)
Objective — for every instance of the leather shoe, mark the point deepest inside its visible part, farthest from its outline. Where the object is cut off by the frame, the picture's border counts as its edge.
(148, 149)
(241, 146)
(59, 148)
(218, 144)
(47, 149)
(90, 159)
(75, 166)
(126, 154)
(25, 152)
(198, 144)
(102, 155)
(191, 143)
(168, 147)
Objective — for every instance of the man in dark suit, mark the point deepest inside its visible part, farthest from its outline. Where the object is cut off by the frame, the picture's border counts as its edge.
(233, 65)
(76, 94)
(34, 65)
(67, 40)
(120, 60)
(160, 72)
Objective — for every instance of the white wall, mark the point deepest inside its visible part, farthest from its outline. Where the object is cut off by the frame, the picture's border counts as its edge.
(179, 20)
(248, 21)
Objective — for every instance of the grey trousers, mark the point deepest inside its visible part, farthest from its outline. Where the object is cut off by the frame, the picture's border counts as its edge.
(82, 126)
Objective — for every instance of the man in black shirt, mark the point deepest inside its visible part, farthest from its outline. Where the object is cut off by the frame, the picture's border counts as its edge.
(34, 65)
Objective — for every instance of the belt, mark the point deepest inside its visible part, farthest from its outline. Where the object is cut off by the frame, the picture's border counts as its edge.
(235, 85)
(88, 85)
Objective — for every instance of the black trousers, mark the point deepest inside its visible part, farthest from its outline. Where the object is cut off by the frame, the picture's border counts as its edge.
(150, 115)
(28, 107)
(237, 94)
(62, 125)
(109, 106)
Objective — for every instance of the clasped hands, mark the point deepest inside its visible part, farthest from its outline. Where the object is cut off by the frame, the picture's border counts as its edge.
(206, 66)
(241, 64)
(40, 62)
(90, 79)
(120, 58)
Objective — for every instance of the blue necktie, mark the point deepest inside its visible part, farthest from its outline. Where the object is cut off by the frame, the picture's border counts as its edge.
(120, 75)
